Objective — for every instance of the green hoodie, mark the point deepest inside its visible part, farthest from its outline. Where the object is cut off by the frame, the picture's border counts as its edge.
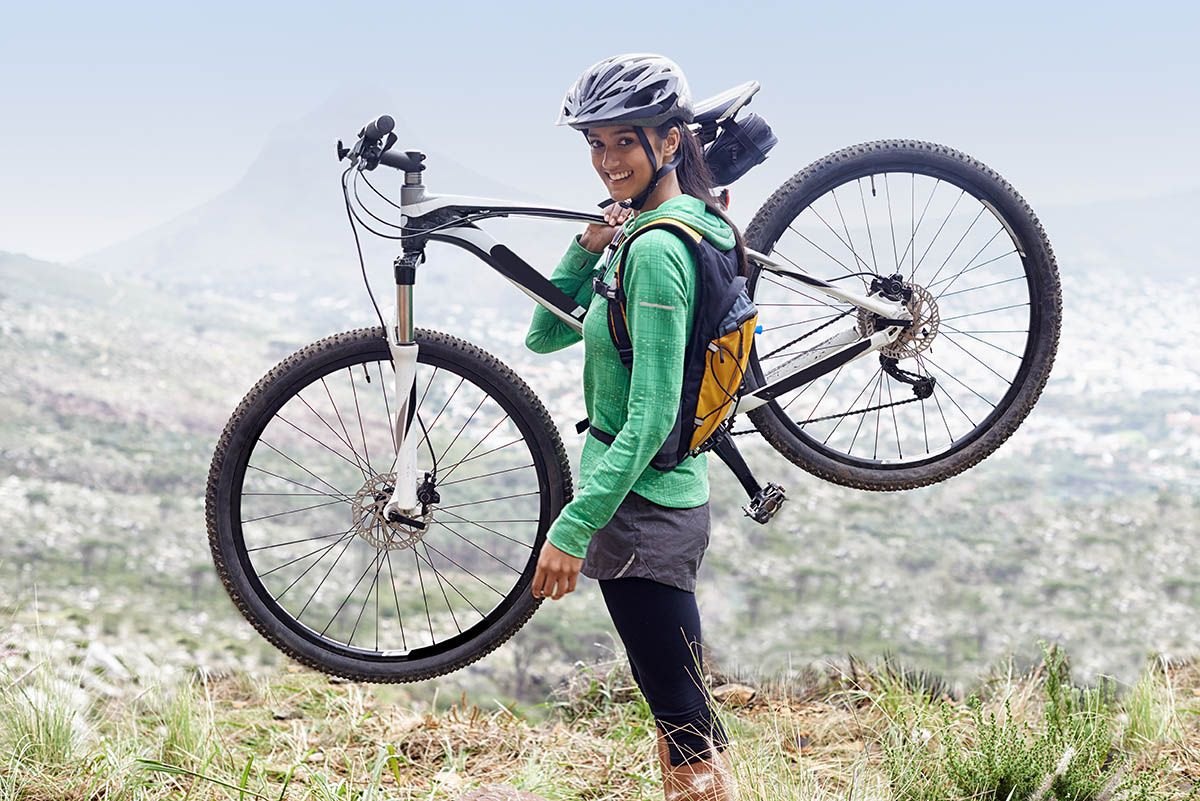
(639, 405)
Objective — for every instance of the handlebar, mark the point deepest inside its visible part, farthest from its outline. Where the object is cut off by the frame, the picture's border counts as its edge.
(370, 151)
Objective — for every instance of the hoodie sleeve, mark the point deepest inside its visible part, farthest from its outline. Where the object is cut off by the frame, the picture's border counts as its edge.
(547, 332)
(658, 285)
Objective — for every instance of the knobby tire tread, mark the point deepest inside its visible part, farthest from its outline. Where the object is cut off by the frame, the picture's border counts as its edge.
(765, 419)
(339, 664)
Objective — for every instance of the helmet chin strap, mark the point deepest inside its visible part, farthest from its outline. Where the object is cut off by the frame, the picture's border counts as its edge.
(640, 199)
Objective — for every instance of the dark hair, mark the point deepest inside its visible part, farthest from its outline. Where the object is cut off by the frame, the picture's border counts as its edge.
(696, 179)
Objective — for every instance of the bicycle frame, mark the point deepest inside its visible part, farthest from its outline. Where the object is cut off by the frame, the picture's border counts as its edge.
(451, 218)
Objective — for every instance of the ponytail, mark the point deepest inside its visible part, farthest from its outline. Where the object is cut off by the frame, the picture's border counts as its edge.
(696, 179)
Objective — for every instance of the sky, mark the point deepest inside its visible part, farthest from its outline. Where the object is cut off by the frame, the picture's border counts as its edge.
(115, 117)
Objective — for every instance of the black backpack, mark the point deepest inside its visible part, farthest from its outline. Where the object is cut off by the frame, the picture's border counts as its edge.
(717, 351)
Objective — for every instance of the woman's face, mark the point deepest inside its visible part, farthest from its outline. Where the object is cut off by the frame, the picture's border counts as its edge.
(620, 159)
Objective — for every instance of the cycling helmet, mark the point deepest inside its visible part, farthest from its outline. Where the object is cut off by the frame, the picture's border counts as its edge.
(637, 89)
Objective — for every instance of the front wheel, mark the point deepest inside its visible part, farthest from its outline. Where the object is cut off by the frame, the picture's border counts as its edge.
(301, 475)
(979, 277)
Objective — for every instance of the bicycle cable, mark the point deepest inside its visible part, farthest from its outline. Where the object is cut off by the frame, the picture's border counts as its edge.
(416, 235)
(358, 246)
(351, 217)
(372, 214)
(382, 196)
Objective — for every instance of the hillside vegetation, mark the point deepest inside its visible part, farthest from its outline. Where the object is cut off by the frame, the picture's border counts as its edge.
(859, 731)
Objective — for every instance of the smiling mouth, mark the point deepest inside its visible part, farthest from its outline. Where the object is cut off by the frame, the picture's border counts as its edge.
(620, 177)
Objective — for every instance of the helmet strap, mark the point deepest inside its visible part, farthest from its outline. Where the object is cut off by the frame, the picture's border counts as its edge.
(640, 199)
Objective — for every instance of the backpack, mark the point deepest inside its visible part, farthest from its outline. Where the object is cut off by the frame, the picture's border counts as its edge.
(717, 351)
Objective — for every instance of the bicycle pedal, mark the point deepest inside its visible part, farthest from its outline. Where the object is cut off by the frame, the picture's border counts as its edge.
(765, 503)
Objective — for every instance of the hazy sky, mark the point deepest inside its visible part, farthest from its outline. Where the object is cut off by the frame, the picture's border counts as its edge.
(120, 115)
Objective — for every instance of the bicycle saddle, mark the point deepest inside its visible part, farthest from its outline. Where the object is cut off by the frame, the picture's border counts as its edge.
(718, 108)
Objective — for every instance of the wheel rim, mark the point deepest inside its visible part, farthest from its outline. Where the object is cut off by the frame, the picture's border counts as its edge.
(306, 516)
(953, 248)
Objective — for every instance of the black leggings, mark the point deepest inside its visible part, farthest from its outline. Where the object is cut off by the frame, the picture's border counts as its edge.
(649, 617)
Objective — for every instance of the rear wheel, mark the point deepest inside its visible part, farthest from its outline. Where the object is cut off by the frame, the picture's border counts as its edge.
(979, 276)
(298, 484)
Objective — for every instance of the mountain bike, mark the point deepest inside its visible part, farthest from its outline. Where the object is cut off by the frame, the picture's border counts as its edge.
(377, 502)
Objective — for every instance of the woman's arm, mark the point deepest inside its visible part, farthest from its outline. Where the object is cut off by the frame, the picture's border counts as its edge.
(658, 285)
(547, 332)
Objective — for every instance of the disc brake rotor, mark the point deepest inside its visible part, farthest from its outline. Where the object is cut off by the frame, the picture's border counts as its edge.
(372, 525)
(919, 335)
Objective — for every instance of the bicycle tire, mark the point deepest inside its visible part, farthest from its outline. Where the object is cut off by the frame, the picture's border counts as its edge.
(855, 163)
(225, 498)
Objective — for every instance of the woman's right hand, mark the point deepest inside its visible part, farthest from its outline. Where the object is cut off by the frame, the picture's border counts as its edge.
(597, 236)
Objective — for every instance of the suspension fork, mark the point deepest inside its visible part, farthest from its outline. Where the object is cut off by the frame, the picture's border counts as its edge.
(404, 506)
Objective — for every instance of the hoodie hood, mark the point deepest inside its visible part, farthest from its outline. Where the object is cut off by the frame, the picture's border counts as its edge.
(692, 211)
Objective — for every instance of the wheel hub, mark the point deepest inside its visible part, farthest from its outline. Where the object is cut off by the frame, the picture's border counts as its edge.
(920, 334)
(370, 522)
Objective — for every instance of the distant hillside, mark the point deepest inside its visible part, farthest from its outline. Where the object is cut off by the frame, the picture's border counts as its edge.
(282, 228)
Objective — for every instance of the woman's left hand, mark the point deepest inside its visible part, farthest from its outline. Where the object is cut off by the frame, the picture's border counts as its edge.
(556, 573)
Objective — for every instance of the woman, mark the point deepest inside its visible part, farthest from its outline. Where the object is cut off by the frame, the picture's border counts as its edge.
(640, 532)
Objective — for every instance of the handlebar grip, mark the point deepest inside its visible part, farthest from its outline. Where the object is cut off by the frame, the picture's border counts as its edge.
(378, 128)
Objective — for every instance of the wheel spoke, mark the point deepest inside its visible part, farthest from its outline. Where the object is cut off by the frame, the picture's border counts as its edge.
(895, 422)
(294, 511)
(870, 402)
(396, 598)
(486, 500)
(929, 359)
(342, 423)
(340, 438)
(297, 483)
(342, 536)
(337, 493)
(481, 550)
(953, 330)
(954, 249)
(913, 235)
(829, 386)
(358, 411)
(386, 406)
(480, 523)
(982, 286)
(887, 191)
(486, 475)
(937, 233)
(989, 311)
(856, 397)
(846, 228)
(867, 222)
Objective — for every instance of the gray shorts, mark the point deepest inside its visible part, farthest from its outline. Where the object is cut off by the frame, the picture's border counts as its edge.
(646, 539)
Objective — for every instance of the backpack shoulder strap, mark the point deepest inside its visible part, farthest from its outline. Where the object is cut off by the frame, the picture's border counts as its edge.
(618, 321)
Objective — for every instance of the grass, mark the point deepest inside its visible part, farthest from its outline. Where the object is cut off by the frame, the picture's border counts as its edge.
(855, 731)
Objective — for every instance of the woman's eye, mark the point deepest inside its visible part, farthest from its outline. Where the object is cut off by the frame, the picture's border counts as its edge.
(625, 142)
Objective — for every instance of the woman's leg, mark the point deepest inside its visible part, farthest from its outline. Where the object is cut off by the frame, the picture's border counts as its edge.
(660, 628)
